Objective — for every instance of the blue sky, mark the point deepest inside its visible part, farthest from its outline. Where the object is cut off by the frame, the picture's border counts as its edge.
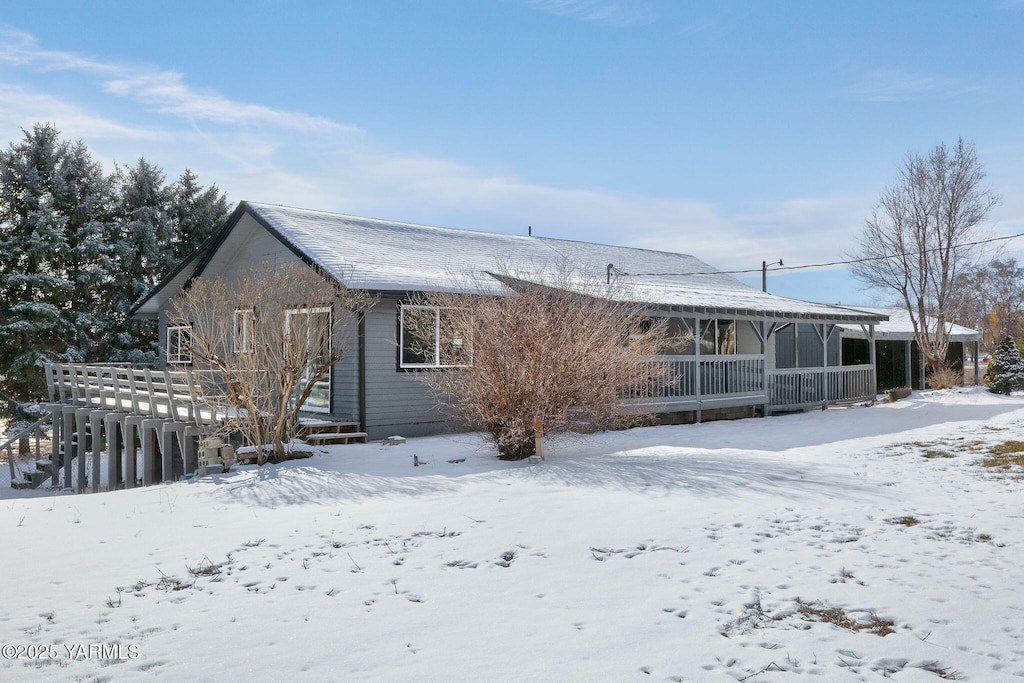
(734, 131)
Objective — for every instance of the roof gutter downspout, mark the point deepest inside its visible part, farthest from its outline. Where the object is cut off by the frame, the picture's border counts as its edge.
(361, 343)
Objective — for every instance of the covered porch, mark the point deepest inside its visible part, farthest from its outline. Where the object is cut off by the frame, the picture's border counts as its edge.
(764, 365)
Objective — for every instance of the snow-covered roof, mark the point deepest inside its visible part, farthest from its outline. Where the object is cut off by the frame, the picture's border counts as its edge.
(899, 327)
(383, 255)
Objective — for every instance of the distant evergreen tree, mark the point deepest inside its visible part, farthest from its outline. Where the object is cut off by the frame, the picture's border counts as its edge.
(54, 257)
(1006, 368)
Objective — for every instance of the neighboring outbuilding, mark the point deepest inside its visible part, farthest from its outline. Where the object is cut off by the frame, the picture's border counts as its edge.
(898, 360)
(754, 353)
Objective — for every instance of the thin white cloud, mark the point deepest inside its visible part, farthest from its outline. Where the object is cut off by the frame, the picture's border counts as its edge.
(901, 85)
(21, 107)
(20, 48)
(613, 13)
(159, 90)
(166, 92)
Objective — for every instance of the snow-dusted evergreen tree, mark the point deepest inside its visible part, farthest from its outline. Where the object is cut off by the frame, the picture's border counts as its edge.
(78, 249)
(157, 225)
(140, 236)
(196, 212)
(1006, 369)
(54, 257)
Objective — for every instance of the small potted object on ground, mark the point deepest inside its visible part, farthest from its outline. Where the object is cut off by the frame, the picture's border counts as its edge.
(897, 393)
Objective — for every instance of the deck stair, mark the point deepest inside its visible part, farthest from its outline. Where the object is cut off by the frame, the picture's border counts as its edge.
(29, 467)
(324, 432)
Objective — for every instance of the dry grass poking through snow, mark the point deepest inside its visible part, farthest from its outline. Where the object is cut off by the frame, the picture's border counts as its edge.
(838, 616)
(1007, 456)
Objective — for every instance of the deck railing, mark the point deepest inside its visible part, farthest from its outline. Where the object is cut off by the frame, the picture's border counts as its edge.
(687, 378)
(688, 381)
(797, 388)
(107, 412)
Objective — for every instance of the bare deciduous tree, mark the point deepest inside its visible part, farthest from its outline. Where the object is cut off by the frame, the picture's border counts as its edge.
(262, 344)
(921, 236)
(991, 299)
(559, 356)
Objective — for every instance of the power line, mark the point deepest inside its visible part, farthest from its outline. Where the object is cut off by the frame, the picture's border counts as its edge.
(830, 263)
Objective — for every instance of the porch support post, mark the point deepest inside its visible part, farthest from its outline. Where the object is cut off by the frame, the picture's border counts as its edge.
(977, 380)
(920, 368)
(698, 332)
(762, 334)
(824, 365)
(768, 377)
(872, 358)
(907, 361)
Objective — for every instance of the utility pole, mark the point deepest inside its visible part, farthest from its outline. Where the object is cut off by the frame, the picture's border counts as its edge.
(764, 273)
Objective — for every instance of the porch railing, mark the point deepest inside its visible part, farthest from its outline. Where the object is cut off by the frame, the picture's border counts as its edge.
(690, 382)
(687, 378)
(797, 388)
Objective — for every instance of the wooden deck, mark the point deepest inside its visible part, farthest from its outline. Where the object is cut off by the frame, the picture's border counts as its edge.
(143, 424)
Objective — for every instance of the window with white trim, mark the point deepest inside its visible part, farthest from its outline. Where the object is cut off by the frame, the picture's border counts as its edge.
(430, 338)
(311, 329)
(179, 344)
(243, 339)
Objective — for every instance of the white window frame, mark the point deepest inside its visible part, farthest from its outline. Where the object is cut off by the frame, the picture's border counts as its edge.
(183, 352)
(308, 312)
(243, 339)
(437, 340)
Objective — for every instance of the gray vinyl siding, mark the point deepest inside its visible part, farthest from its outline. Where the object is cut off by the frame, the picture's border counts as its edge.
(799, 346)
(835, 355)
(345, 379)
(785, 347)
(396, 401)
(248, 245)
(810, 352)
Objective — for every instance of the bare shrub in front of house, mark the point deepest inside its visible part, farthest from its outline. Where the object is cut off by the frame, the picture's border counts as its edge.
(263, 346)
(557, 351)
(945, 379)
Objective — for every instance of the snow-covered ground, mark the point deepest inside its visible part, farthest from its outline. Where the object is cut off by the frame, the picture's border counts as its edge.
(757, 550)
